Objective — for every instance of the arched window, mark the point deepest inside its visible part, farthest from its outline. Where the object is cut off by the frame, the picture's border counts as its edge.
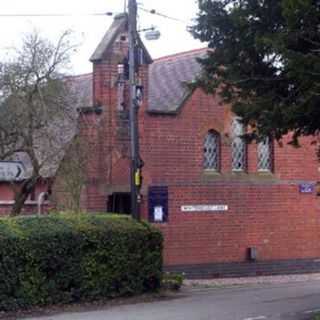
(238, 146)
(265, 155)
(211, 151)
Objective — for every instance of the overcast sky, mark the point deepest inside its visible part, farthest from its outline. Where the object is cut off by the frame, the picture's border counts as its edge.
(88, 30)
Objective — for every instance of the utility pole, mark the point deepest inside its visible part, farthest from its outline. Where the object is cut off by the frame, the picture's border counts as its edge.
(125, 6)
(135, 180)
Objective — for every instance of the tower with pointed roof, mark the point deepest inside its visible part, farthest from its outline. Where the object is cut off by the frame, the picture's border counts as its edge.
(109, 168)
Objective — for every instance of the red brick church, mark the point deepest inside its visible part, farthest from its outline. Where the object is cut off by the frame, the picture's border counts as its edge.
(219, 202)
(225, 207)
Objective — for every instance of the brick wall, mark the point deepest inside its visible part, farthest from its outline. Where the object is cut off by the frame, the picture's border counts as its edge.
(30, 207)
(265, 210)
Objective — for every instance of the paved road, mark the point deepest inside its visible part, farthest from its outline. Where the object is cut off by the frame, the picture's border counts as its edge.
(295, 301)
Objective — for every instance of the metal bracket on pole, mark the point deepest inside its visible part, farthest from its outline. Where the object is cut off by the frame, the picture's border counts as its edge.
(134, 135)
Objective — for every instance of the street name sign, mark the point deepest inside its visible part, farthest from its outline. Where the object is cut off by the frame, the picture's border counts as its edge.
(203, 208)
(306, 187)
(11, 171)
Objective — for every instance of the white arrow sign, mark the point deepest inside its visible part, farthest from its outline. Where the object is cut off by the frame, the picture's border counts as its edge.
(11, 171)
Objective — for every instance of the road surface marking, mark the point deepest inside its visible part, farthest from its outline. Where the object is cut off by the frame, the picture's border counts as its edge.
(256, 318)
(312, 311)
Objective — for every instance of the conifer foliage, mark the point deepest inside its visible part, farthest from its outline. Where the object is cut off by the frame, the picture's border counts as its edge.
(265, 60)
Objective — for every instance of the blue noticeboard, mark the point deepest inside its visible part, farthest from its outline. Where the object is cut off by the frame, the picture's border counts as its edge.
(306, 187)
(158, 204)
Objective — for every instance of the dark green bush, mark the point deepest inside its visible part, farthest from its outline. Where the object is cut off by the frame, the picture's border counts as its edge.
(69, 258)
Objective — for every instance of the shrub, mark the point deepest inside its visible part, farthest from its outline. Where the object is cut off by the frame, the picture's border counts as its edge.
(172, 281)
(68, 258)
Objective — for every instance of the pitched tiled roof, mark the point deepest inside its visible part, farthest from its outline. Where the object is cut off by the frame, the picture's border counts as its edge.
(119, 25)
(167, 92)
(82, 84)
(167, 75)
(167, 78)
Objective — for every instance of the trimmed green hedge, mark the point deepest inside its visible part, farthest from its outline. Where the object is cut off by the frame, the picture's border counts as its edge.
(69, 258)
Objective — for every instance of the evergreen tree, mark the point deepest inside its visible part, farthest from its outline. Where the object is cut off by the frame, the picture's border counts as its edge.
(265, 60)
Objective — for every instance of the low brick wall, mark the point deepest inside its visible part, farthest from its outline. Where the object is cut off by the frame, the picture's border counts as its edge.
(29, 208)
(247, 269)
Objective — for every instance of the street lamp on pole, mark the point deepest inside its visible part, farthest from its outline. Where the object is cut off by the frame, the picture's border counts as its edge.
(135, 98)
(134, 130)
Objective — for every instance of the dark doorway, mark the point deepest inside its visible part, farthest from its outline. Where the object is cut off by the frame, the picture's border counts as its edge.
(119, 202)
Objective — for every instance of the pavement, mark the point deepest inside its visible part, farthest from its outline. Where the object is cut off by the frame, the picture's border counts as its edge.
(294, 300)
(291, 278)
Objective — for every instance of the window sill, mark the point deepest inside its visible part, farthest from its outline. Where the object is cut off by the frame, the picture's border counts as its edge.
(265, 172)
(212, 172)
(238, 171)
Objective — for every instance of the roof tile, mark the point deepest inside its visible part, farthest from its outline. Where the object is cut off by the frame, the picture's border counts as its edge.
(167, 78)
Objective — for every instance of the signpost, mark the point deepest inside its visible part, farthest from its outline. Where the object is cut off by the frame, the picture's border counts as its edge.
(11, 171)
(306, 187)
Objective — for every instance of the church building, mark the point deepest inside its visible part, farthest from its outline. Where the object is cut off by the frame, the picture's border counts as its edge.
(225, 207)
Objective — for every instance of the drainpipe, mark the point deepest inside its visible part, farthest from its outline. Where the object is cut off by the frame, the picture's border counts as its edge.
(40, 201)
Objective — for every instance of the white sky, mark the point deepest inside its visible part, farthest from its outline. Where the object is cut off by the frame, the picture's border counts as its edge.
(88, 30)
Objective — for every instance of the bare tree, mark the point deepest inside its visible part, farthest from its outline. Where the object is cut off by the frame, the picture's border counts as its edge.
(37, 114)
(71, 177)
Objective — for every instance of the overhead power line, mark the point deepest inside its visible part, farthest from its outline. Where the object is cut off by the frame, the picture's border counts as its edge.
(17, 15)
(109, 13)
(155, 12)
